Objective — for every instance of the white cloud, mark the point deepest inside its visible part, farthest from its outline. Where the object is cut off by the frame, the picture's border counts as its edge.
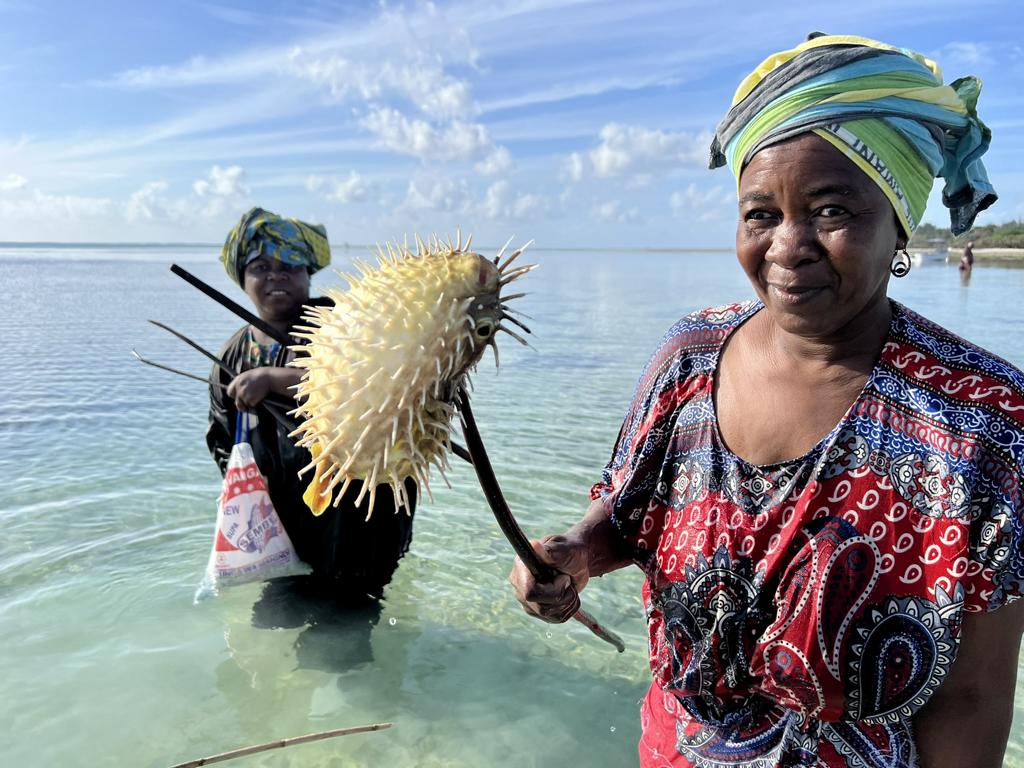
(634, 149)
(612, 211)
(496, 163)
(353, 189)
(966, 54)
(697, 204)
(398, 133)
(445, 194)
(403, 95)
(572, 168)
(12, 182)
(258, 64)
(47, 208)
(222, 182)
(501, 203)
(640, 181)
(223, 188)
(147, 203)
(237, 16)
(418, 78)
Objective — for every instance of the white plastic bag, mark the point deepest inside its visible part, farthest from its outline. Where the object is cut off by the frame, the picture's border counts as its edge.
(249, 542)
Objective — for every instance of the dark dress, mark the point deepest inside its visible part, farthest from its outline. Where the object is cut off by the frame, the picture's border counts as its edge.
(351, 558)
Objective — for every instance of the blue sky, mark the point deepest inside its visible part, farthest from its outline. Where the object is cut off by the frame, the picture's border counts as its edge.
(574, 123)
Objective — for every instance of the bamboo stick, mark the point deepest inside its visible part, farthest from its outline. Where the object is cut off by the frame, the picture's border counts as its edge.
(280, 743)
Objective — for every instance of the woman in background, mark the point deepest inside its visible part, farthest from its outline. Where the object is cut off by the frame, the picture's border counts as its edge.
(352, 558)
(967, 259)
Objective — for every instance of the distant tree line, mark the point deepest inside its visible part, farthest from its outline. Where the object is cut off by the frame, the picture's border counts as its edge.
(1008, 235)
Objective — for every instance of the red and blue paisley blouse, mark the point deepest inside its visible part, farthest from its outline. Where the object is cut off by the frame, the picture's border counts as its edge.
(801, 613)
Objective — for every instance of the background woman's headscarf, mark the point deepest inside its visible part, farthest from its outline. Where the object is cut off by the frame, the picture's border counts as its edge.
(262, 233)
(885, 108)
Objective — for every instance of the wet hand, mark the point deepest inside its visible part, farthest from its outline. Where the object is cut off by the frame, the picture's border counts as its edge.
(555, 601)
(249, 388)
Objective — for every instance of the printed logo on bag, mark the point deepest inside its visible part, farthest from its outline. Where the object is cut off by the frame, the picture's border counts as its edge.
(261, 529)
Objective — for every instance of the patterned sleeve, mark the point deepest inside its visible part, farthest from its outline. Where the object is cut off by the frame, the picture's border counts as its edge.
(629, 486)
(995, 574)
(996, 569)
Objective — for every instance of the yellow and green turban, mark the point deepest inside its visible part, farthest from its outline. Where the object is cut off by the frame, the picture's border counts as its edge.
(262, 233)
(885, 108)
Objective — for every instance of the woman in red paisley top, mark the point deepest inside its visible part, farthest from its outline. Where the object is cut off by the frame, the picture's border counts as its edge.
(822, 488)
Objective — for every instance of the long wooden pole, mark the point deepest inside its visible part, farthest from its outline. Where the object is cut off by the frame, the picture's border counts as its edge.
(234, 306)
(508, 524)
(280, 743)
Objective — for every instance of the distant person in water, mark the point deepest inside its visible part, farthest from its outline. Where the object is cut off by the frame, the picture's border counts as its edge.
(967, 260)
(352, 558)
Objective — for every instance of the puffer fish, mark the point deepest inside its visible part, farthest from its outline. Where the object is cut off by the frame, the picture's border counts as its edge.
(383, 365)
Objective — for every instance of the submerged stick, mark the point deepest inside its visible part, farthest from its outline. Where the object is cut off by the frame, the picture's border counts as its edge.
(280, 743)
(492, 491)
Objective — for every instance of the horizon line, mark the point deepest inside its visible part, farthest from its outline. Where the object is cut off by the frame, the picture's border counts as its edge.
(345, 246)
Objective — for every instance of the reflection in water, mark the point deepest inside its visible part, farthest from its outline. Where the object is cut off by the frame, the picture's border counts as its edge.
(337, 633)
(965, 275)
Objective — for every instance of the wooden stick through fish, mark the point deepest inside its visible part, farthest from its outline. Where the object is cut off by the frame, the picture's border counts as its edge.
(280, 743)
(489, 483)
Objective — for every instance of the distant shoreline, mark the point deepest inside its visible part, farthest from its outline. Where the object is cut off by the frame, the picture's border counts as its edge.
(1015, 255)
(998, 254)
(356, 247)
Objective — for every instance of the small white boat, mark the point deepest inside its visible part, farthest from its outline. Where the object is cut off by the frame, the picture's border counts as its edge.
(935, 252)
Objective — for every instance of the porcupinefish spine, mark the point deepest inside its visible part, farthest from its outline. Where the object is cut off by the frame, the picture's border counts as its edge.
(382, 364)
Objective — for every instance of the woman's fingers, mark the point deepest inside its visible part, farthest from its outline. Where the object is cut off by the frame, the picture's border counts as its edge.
(249, 388)
(553, 601)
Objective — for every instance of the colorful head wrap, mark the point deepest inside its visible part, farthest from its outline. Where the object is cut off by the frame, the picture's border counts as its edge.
(262, 233)
(885, 108)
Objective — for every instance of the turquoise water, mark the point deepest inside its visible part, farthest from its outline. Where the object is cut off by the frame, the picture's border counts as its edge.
(108, 505)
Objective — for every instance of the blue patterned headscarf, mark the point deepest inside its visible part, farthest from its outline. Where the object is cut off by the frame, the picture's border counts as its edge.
(885, 108)
(261, 233)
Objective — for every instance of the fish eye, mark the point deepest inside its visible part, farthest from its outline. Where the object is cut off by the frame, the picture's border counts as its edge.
(483, 331)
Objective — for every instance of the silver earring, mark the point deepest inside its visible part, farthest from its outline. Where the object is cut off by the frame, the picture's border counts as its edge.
(901, 263)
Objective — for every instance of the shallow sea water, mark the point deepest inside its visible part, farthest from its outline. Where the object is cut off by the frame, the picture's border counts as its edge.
(109, 501)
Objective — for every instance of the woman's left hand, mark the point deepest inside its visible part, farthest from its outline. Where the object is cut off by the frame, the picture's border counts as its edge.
(249, 388)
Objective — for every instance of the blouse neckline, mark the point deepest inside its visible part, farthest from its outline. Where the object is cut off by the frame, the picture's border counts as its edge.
(818, 449)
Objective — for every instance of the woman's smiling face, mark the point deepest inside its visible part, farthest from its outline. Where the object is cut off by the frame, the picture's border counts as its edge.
(816, 238)
(278, 290)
